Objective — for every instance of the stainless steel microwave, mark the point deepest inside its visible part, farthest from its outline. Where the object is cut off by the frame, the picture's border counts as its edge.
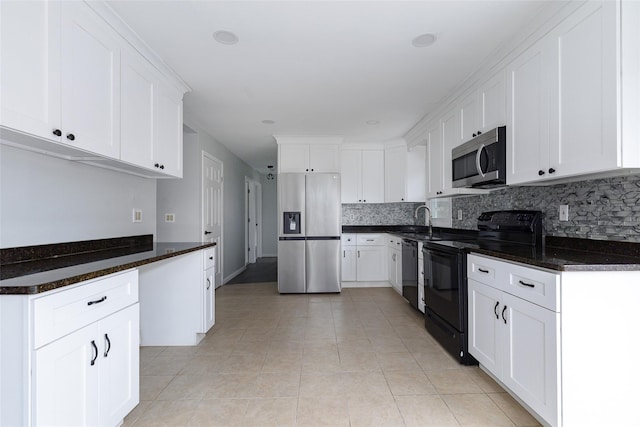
(482, 161)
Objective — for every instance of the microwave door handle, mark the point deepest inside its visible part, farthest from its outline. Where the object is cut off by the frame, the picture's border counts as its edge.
(478, 154)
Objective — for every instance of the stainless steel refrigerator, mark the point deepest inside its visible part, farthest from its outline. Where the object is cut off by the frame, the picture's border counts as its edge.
(309, 213)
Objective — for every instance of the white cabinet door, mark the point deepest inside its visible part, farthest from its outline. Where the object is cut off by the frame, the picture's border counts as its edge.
(30, 58)
(351, 176)
(65, 378)
(168, 131)
(119, 363)
(583, 102)
(293, 158)
(90, 72)
(527, 116)
(493, 102)
(371, 263)
(415, 175)
(349, 269)
(373, 176)
(395, 172)
(324, 158)
(137, 111)
(209, 299)
(531, 353)
(450, 139)
(391, 268)
(421, 302)
(469, 124)
(484, 332)
(435, 160)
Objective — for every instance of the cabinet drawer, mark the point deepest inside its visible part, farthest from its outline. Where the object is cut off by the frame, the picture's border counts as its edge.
(61, 313)
(537, 286)
(482, 269)
(370, 239)
(531, 284)
(348, 239)
(209, 257)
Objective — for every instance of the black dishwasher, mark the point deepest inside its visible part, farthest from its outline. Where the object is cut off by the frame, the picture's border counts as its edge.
(410, 271)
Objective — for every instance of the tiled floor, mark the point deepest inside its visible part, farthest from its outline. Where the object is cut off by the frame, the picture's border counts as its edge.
(359, 358)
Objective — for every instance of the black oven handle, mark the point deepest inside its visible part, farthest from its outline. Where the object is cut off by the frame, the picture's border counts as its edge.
(478, 155)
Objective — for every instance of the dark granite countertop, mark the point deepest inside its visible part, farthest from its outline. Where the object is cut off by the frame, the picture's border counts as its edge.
(559, 253)
(36, 269)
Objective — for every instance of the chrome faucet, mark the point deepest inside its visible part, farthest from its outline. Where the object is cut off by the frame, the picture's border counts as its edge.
(415, 215)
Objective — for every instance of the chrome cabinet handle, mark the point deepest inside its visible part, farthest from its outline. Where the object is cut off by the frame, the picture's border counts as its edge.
(478, 166)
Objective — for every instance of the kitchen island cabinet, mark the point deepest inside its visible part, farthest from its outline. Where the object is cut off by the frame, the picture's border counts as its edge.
(79, 362)
(538, 332)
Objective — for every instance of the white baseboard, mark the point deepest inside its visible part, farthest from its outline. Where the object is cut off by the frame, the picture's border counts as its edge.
(234, 274)
(382, 284)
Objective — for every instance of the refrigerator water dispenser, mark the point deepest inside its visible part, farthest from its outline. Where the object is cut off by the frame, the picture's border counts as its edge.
(291, 222)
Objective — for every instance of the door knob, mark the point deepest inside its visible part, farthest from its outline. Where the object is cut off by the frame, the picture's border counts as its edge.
(71, 136)
(57, 132)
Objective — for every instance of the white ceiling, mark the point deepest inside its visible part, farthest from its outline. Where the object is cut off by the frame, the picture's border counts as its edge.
(319, 67)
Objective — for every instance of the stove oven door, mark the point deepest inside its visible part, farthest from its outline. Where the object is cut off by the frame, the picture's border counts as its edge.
(444, 276)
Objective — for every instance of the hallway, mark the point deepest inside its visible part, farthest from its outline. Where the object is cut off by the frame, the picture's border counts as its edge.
(265, 269)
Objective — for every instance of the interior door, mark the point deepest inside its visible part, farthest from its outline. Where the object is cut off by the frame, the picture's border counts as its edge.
(212, 204)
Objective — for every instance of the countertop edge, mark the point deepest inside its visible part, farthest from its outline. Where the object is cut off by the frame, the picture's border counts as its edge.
(57, 284)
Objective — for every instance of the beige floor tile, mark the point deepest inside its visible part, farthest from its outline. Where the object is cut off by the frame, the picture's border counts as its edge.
(435, 361)
(365, 384)
(240, 385)
(204, 364)
(476, 410)
(286, 346)
(163, 366)
(453, 381)
(151, 386)
(134, 415)
(180, 352)
(219, 412)
(355, 345)
(321, 385)
(484, 381)
(374, 411)
(244, 362)
(400, 361)
(403, 383)
(353, 361)
(425, 411)
(278, 384)
(322, 411)
(516, 413)
(271, 412)
(321, 361)
(174, 414)
(186, 387)
(285, 361)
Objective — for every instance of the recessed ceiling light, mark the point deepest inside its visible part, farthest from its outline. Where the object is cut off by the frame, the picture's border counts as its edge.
(424, 40)
(268, 122)
(373, 122)
(225, 37)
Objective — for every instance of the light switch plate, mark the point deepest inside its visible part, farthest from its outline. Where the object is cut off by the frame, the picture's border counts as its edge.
(563, 212)
(137, 215)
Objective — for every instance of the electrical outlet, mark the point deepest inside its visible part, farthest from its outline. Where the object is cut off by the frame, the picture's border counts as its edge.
(169, 217)
(459, 214)
(563, 212)
(137, 215)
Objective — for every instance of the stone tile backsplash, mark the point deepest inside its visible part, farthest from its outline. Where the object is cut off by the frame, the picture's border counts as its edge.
(603, 209)
(380, 214)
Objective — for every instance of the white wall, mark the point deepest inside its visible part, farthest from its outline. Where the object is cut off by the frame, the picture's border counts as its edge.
(269, 216)
(44, 199)
(183, 198)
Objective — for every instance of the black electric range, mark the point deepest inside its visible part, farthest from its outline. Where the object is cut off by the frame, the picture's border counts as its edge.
(445, 271)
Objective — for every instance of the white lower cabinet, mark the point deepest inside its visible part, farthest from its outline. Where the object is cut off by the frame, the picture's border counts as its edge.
(394, 262)
(89, 377)
(364, 257)
(209, 290)
(421, 302)
(70, 356)
(515, 339)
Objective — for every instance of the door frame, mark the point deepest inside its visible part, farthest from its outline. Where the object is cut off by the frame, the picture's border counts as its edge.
(219, 248)
(253, 191)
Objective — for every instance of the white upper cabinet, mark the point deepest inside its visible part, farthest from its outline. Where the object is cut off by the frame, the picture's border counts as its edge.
(303, 158)
(469, 118)
(565, 103)
(90, 73)
(73, 87)
(435, 160)
(362, 176)
(30, 67)
(404, 174)
(484, 108)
